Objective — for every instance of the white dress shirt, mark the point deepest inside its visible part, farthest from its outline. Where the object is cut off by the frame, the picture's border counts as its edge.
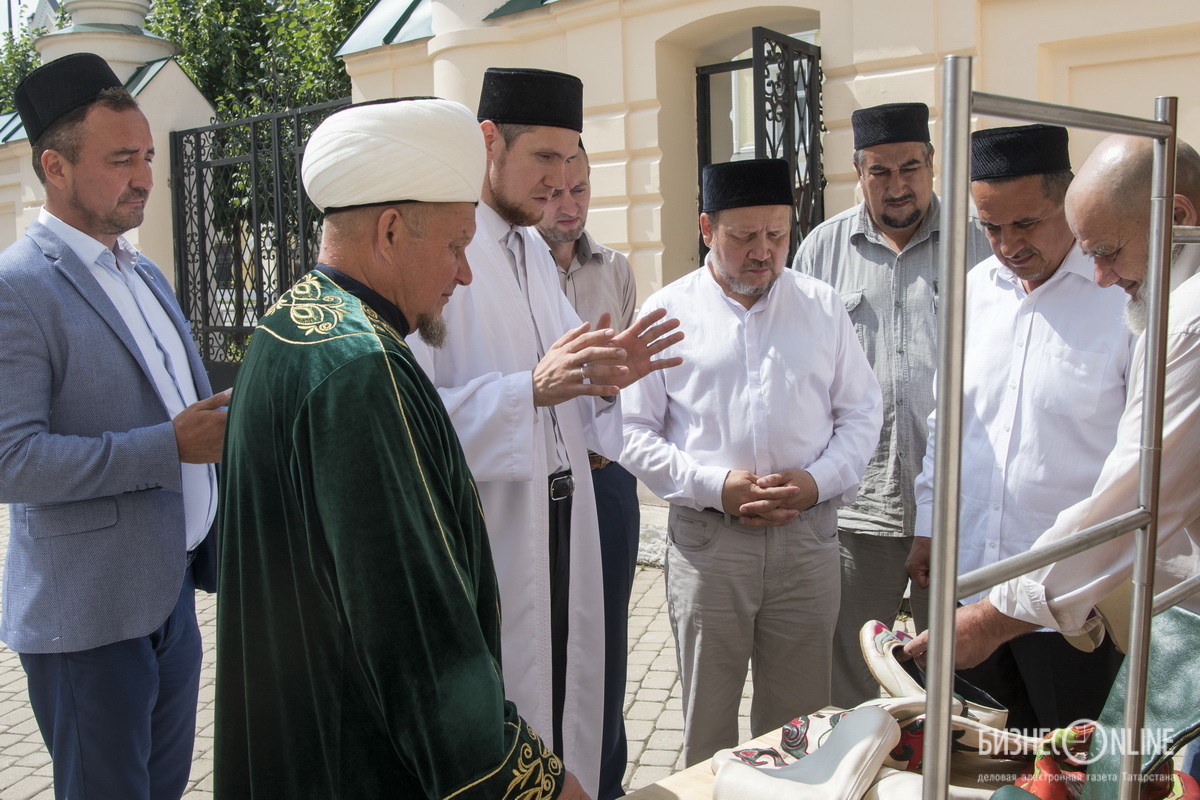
(161, 348)
(781, 385)
(1062, 595)
(1043, 388)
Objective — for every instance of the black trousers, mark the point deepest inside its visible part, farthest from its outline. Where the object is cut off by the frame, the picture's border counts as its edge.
(1046, 682)
(619, 516)
(560, 593)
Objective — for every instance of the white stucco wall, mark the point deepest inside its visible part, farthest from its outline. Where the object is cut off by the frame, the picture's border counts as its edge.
(637, 59)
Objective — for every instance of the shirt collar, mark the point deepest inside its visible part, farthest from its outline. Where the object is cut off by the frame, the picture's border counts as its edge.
(865, 226)
(586, 248)
(1074, 263)
(85, 247)
(494, 226)
(379, 304)
(763, 301)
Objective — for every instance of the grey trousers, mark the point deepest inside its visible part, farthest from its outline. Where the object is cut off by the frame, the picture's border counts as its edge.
(873, 583)
(763, 596)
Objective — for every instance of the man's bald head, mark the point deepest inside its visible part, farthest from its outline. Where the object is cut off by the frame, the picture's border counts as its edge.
(1119, 171)
(1108, 209)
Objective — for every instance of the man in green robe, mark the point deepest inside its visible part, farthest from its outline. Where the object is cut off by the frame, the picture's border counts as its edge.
(358, 627)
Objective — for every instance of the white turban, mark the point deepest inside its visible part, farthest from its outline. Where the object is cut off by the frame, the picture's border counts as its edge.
(430, 151)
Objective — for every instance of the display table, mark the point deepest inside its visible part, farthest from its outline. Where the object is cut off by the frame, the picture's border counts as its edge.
(696, 782)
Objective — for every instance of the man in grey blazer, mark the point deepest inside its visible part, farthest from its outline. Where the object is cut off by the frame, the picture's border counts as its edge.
(108, 438)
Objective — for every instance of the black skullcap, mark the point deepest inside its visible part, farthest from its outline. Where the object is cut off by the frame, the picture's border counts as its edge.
(736, 184)
(890, 122)
(532, 97)
(53, 90)
(1020, 150)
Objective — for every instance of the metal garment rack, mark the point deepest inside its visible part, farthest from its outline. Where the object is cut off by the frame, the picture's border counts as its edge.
(958, 104)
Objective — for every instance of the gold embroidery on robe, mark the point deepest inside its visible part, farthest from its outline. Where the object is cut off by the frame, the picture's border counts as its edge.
(309, 309)
(536, 776)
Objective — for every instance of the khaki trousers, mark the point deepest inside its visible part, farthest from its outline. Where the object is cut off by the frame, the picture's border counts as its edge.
(873, 583)
(764, 596)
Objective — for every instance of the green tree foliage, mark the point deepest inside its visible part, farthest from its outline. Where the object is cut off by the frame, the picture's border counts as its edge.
(17, 59)
(246, 56)
(253, 56)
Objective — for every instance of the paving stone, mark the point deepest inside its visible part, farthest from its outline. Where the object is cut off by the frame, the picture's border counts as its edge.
(653, 695)
(657, 679)
(638, 729)
(31, 787)
(663, 739)
(643, 710)
(670, 719)
(646, 775)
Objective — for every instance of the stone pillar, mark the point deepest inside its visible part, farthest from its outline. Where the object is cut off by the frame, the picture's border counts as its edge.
(113, 30)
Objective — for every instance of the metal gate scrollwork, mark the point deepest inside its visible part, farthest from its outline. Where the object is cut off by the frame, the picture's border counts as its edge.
(787, 116)
(244, 229)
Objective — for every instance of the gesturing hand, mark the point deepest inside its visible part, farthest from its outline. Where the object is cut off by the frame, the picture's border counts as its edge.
(200, 429)
(642, 341)
(576, 358)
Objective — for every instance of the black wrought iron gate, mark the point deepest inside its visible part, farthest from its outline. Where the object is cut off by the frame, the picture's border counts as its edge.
(244, 230)
(787, 116)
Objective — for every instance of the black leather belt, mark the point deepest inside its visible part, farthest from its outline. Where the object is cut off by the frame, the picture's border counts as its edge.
(562, 485)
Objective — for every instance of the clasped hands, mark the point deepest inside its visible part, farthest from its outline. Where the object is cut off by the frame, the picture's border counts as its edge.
(768, 501)
(603, 362)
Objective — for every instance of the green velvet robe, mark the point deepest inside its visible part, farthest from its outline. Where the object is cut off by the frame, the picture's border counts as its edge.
(358, 622)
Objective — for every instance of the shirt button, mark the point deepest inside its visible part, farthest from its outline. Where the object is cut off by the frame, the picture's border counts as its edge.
(1012, 386)
(899, 401)
(992, 545)
(1020, 344)
(896, 304)
(995, 508)
(900, 350)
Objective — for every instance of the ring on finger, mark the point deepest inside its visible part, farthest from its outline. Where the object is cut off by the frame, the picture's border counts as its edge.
(582, 376)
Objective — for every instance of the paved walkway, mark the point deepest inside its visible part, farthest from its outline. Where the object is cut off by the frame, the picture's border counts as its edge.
(652, 703)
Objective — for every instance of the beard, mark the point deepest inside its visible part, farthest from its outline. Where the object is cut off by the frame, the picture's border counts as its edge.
(1137, 310)
(746, 289)
(115, 222)
(432, 330)
(1136, 313)
(555, 234)
(900, 223)
(510, 210)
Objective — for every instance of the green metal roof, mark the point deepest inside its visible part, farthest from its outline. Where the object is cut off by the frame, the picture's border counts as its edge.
(389, 22)
(11, 129)
(517, 6)
(146, 73)
(104, 27)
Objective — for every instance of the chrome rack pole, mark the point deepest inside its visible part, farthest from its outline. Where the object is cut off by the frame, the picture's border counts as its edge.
(984, 578)
(1176, 594)
(952, 269)
(998, 105)
(1186, 234)
(1162, 191)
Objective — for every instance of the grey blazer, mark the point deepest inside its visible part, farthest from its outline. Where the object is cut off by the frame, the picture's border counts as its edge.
(88, 459)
